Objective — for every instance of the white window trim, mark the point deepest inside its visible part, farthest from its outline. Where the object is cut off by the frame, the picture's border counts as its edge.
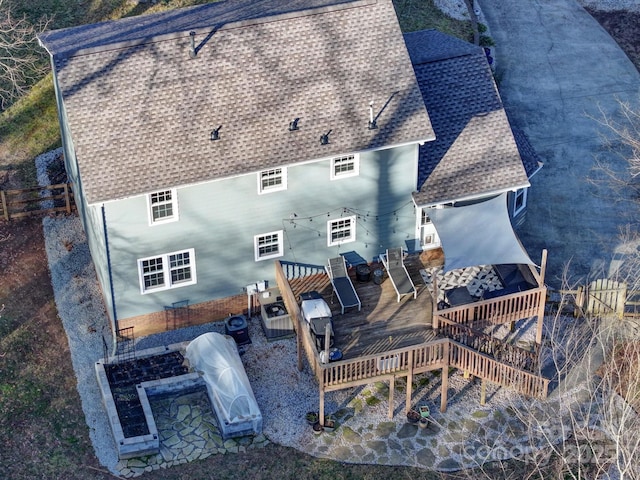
(166, 270)
(354, 173)
(517, 211)
(256, 248)
(279, 188)
(351, 238)
(174, 203)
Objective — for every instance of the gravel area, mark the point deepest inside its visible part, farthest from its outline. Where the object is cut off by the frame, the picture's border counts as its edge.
(283, 393)
(79, 302)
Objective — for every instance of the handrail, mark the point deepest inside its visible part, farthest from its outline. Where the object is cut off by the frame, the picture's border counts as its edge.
(498, 349)
(441, 353)
(497, 311)
(483, 366)
(427, 356)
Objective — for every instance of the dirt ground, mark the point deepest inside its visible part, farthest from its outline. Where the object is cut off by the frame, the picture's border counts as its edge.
(43, 430)
(624, 27)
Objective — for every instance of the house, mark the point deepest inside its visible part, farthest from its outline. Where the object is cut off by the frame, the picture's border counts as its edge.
(476, 155)
(205, 142)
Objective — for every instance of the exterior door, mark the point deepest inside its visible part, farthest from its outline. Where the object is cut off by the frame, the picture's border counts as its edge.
(428, 236)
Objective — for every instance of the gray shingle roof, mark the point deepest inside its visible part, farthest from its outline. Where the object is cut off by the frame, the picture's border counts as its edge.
(475, 153)
(530, 158)
(140, 110)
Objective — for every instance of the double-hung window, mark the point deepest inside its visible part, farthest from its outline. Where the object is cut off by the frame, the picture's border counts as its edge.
(165, 271)
(272, 180)
(163, 206)
(341, 230)
(519, 201)
(345, 166)
(268, 245)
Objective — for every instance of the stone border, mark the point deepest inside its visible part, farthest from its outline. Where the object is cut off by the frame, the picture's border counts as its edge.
(149, 444)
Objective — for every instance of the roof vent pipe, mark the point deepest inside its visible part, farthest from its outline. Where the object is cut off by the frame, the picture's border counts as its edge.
(192, 49)
(324, 138)
(372, 120)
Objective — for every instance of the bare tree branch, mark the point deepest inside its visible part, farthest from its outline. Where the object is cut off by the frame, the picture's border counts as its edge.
(21, 61)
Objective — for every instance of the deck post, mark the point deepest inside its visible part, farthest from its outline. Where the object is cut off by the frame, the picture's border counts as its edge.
(409, 383)
(321, 407)
(434, 320)
(392, 385)
(445, 388)
(445, 379)
(542, 300)
(483, 391)
(299, 343)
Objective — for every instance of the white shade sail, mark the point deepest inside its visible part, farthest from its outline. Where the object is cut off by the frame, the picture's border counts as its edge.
(478, 234)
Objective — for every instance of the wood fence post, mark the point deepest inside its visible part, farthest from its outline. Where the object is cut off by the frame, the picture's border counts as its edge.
(5, 209)
(67, 199)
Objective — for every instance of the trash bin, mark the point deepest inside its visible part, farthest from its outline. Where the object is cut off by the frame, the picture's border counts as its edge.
(363, 273)
(378, 276)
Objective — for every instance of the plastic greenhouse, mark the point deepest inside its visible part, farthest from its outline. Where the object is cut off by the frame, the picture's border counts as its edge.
(216, 358)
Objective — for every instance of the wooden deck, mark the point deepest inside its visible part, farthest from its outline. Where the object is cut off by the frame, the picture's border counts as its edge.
(383, 323)
(388, 339)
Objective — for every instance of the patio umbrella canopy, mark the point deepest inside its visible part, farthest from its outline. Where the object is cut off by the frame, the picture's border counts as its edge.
(478, 234)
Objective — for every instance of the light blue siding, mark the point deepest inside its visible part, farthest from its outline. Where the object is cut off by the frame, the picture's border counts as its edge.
(220, 219)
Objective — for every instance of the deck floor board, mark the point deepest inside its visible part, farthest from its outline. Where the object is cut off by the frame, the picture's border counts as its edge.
(383, 323)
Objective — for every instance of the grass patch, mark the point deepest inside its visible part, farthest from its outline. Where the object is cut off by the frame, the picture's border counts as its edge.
(373, 401)
(415, 15)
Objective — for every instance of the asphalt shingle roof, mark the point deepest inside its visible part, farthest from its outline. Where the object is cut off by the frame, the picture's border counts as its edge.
(140, 110)
(474, 153)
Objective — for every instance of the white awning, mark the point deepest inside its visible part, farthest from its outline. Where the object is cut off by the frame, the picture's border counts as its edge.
(478, 234)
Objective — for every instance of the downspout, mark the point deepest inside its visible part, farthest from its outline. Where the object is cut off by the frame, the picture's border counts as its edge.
(114, 316)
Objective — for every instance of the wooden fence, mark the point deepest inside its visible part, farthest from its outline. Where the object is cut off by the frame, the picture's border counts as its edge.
(26, 202)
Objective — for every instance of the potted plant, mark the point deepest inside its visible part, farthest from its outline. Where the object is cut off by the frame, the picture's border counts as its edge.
(312, 417)
(317, 428)
(423, 422)
(329, 423)
(413, 416)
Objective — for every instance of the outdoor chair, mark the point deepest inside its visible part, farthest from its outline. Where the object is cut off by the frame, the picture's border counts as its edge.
(342, 285)
(393, 261)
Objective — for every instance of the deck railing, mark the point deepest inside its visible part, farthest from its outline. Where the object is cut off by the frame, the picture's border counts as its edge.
(496, 311)
(498, 349)
(485, 367)
(442, 353)
(418, 359)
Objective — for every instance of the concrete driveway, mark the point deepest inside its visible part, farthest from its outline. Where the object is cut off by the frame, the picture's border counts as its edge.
(556, 70)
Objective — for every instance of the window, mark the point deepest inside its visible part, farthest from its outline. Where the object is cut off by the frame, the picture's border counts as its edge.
(519, 201)
(268, 245)
(341, 231)
(346, 166)
(162, 207)
(167, 271)
(272, 180)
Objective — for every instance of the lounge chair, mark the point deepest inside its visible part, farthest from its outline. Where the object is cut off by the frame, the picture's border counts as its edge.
(342, 285)
(393, 262)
